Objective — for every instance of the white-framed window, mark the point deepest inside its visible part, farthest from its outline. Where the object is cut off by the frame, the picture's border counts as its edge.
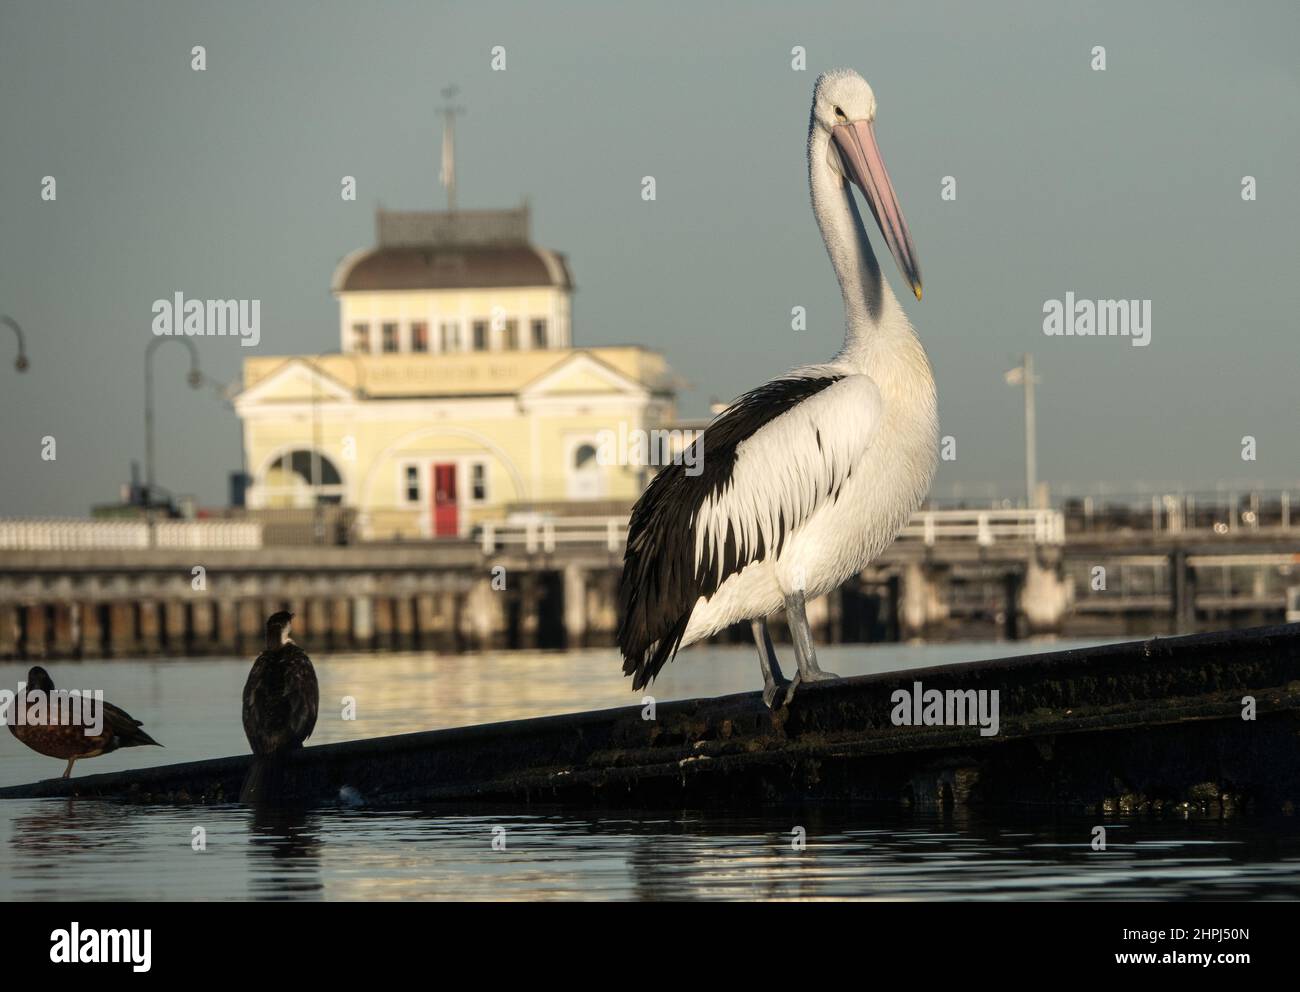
(411, 489)
(361, 336)
(419, 336)
(449, 336)
(477, 487)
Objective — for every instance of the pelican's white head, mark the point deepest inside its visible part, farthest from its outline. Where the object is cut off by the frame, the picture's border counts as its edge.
(844, 110)
(842, 96)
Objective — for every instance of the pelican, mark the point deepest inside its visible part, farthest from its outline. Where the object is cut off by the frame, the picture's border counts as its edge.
(806, 478)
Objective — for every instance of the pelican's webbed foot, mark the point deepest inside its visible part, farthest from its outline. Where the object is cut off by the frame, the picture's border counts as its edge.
(773, 680)
(816, 675)
(805, 654)
(772, 689)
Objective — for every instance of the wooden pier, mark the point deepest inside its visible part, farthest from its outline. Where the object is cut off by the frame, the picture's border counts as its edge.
(1145, 725)
(67, 591)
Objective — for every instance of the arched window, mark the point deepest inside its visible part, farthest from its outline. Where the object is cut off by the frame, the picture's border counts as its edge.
(300, 478)
(585, 478)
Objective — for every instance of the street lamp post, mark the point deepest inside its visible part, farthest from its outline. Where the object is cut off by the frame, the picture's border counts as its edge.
(195, 379)
(20, 363)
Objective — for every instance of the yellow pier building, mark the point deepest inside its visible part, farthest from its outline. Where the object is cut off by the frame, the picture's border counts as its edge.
(457, 396)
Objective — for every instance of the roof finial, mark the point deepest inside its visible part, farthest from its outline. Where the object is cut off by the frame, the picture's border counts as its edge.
(447, 175)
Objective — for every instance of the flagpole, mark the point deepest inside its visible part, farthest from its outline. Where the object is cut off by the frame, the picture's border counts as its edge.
(1031, 435)
(447, 173)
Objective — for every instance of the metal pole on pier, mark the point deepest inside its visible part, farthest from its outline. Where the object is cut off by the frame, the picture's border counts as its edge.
(1023, 375)
(195, 379)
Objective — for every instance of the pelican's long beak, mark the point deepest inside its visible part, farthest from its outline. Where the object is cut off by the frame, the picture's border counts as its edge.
(860, 154)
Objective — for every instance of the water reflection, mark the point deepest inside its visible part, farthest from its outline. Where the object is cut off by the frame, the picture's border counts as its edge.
(81, 849)
(284, 854)
(67, 827)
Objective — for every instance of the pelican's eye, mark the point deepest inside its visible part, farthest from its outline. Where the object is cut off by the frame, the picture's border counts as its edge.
(840, 115)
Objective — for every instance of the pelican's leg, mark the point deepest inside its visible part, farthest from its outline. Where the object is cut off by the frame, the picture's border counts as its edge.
(796, 617)
(773, 680)
(67, 772)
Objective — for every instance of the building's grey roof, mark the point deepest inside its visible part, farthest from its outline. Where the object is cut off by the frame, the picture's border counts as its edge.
(465, 249)
(442, 228)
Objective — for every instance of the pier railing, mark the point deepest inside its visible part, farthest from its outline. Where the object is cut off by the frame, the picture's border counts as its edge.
(543, 533)
(52, 534)
(533, 534)
(983, 527)
(986, 527)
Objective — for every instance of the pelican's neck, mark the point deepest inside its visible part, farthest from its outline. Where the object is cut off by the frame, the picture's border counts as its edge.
(871, 310)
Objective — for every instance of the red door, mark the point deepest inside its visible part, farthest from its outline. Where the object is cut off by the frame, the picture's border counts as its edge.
(445, 523)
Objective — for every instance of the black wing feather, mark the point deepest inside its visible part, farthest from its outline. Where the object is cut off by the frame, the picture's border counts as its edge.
(661, 584)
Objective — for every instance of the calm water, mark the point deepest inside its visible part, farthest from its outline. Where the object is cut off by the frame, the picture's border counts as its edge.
(131, 852)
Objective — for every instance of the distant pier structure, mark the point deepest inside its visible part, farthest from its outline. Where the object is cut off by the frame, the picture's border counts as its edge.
(544, 578)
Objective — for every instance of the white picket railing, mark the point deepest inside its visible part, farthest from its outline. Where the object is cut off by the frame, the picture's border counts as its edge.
(51, 534)
(534, 533)
(542, 533)
(984, 527)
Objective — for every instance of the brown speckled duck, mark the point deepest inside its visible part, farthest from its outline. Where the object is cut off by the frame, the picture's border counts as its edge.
(70, 740)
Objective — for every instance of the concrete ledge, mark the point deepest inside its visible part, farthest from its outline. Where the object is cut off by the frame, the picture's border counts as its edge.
(1146, 724)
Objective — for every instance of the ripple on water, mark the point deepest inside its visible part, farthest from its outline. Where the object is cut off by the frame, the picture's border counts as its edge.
(60, 849)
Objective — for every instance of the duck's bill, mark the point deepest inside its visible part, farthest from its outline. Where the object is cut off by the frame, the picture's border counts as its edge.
(856, 143)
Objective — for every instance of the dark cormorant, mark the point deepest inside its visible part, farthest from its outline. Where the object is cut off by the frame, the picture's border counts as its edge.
(281, 698)
(70, 739)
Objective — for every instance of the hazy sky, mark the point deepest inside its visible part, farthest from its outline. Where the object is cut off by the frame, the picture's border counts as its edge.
(225, 184)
